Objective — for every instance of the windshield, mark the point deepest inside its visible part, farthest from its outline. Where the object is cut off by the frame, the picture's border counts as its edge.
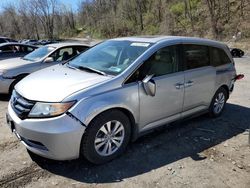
(39, 53)
(110, 57)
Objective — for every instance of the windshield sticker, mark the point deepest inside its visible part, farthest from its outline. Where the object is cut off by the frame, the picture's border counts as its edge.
(141, 44)
(115, 69)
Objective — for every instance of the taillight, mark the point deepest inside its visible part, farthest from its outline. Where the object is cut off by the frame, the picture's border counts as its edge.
(239, 77)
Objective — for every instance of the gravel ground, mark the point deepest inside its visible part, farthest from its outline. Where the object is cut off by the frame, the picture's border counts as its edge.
(200, 152)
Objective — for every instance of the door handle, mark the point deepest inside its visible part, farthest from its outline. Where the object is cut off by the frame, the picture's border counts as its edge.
(189, 83)
(179, 85)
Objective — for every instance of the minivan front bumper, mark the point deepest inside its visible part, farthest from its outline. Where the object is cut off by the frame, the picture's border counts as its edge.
(57, 138)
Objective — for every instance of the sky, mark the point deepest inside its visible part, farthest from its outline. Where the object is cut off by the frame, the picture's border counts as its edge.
(73, 3)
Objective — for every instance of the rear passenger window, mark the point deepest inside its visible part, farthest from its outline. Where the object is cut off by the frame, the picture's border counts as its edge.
(6, 49)
(2, 41)
(196, 56)
(17, 48)
(219, 57)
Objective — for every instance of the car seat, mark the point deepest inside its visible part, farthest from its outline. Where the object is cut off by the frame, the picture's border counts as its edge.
(65, 56)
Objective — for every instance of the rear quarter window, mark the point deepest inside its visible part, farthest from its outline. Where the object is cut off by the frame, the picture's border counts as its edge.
(219, 57)
(80, 49)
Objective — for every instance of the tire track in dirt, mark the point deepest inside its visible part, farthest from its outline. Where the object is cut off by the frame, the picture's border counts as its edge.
(23, 177)
(9, 145)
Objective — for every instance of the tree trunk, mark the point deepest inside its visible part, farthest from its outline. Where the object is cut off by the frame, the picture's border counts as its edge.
(213, 20)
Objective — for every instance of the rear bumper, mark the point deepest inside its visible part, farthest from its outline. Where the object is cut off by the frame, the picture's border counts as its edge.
(55, 138)
(5, 85)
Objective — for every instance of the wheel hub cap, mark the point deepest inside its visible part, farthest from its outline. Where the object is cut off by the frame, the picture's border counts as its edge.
(109, 138)
(219, 103)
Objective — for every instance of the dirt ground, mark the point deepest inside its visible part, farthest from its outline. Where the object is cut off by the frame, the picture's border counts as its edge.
(200, 152)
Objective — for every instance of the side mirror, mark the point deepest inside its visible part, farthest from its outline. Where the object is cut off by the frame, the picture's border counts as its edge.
(48, 60)
(149, 85)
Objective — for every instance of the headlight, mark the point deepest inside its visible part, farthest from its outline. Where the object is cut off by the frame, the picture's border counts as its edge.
(49, 109)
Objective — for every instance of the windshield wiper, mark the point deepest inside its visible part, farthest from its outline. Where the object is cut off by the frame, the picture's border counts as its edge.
(25, 59)
(69, 66)
(91, 70)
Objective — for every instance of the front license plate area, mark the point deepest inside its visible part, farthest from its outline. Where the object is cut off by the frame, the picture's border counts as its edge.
(8, 120)
(11, 124)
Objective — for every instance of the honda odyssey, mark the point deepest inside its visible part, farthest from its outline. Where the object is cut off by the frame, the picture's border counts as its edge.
(99, 101)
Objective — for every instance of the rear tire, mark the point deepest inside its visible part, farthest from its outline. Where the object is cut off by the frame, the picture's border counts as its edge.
(241, 53)
(106, 137)
(218, 102)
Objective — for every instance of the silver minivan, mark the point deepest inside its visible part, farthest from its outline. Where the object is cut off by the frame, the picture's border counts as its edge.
(99, 101)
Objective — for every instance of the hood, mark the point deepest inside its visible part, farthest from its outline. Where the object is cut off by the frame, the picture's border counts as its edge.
(55, 83)
(11, 63)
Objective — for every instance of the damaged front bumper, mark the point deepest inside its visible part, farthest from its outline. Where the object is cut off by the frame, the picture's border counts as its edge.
(56, 138)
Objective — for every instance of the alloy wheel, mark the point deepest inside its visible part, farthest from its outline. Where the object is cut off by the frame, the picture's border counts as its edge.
(109, 138)
(219, 103)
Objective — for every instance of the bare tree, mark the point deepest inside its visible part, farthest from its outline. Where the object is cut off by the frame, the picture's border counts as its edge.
(214, 13)
(45, 11)
(111, 18)
(11, 24)
(28, 19)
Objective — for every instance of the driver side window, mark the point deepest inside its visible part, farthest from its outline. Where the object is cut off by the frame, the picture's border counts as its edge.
(62, 54)
(162, 62)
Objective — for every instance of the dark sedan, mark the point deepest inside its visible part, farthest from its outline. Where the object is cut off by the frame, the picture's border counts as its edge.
(5, 39)
(236, 52)
(11, 50)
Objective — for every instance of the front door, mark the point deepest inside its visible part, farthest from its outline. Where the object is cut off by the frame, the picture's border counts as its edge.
(168, 77)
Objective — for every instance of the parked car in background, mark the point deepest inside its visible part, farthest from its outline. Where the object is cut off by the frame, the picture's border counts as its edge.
(15, 69)
(114, 92)
(41, 42)
(44, 42)
(5, 39)
(30, 42)
(236, 52)
(13, 49)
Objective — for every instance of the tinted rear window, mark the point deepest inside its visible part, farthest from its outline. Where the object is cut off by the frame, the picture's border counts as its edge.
(219, 57)
(2, 41)
(6, 49)
(196, 56)
(81, 48)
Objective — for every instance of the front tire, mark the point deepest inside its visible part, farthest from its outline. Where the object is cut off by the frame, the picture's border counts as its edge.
(218, 102)
(106, 137)
(12, 86)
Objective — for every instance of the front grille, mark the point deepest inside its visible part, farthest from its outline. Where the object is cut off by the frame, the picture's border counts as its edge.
(20, 105)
